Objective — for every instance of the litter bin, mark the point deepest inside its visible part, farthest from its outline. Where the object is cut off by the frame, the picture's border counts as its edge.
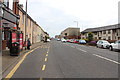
(15, 50)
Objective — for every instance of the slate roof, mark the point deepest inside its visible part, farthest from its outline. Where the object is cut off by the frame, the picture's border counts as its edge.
(116, 26)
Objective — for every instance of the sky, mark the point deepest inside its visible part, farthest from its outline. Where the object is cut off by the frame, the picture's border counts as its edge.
(56, 15)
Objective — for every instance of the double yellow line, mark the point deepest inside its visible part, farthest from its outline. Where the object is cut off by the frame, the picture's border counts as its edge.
(18, 64)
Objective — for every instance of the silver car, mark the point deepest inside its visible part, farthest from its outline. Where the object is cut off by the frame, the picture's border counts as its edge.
(103, 44)
(115, 46)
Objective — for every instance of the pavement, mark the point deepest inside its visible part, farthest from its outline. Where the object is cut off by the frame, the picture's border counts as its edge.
(66, 60)
(8, 60)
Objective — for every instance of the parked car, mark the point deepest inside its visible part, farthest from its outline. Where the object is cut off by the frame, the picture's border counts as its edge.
(68, 40)
(82, 42)
(75, 41)
(48, 40)
(58, 40)
(115, 46)
(63, 40)
(103, 44)
(71, 40)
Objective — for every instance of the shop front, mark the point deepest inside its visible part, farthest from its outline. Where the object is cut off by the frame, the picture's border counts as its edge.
(10, 30)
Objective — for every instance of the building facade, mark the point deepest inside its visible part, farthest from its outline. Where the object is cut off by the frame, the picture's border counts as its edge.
(9, 23)
(16, 20)
(111, 32)
(70, 33)
(29, 27)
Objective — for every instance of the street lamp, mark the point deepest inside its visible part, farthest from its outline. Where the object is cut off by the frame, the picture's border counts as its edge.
(77, 23)
(77, 27)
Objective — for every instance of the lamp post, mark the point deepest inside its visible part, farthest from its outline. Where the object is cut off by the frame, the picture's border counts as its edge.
(26, 26)
(77, 27)
(77, 23)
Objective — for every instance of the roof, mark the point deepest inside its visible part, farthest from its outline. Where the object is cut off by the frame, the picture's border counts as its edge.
(116, 26)
(70, 28)
(24, 12)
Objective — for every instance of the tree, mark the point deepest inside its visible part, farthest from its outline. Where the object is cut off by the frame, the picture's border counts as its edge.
(90, 36)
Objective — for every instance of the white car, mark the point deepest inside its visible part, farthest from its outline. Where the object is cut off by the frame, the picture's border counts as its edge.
(63, 40)
(115, 46)
(48, 40)
(103, 44)
(58, 39)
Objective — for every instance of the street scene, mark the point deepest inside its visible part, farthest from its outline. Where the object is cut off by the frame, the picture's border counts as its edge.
(52, 40)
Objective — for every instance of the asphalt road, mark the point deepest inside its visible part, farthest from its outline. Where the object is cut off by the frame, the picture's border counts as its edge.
(66, 60)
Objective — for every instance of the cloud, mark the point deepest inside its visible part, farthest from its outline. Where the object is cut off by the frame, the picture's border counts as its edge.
(56, 15)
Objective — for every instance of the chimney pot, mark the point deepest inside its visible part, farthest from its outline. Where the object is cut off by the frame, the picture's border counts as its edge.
(21, 5)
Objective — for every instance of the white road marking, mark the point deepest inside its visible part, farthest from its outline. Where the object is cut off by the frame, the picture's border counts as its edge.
(106, 59)
(82, 50)
(79, 49)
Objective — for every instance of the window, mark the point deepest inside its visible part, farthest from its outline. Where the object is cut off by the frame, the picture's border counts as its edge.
(6, 3)
(27, 22)
(11, 4)
(104, 32)
(23, 18)
(3, 35)
(95, 37)
(95, 33)
(109, 38)
(117, 33)
(119, 42)
(30, 23)
(109, 31)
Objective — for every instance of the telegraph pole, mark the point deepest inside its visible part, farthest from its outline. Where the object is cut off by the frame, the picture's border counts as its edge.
(26, 26)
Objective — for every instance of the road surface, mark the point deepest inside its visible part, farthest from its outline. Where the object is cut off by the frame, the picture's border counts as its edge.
(66, 60)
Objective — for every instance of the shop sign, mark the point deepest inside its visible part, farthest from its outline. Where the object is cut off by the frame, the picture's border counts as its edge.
(14, 37)
(21, 41)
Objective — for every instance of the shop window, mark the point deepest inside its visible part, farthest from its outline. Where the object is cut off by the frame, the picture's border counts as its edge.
(3, 35)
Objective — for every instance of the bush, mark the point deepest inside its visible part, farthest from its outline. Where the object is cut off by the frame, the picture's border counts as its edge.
(92, 43)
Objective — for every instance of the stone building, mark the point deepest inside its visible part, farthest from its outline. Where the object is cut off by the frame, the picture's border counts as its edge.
(15, 19)
(110, 32)
(70, 33)
(32, 29)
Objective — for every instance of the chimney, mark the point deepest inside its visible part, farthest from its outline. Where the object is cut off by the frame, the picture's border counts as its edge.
(15, 6)
(21, 5)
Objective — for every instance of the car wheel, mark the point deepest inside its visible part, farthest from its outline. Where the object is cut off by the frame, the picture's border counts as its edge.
(102, 46)
(97, 46)
(111, 48)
